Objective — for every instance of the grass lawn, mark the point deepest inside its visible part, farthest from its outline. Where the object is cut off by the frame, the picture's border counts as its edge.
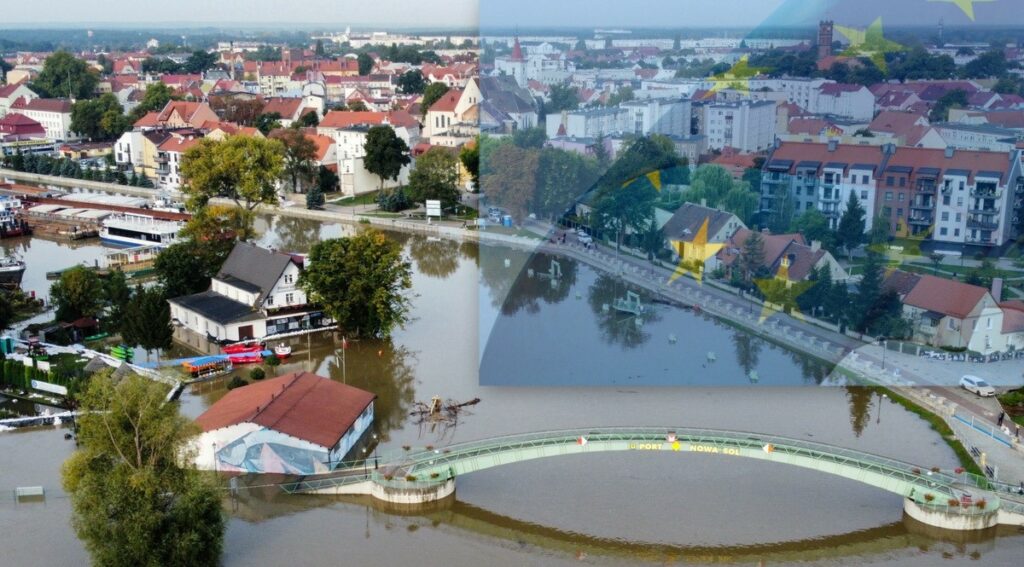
(361, 199)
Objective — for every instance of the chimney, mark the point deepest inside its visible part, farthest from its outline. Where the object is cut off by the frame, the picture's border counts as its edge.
(949, 151)
(815, 245)
(997, 289)
(833, 145)
(703, 202)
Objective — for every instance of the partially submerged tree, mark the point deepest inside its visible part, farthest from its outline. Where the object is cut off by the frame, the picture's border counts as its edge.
(241, 168)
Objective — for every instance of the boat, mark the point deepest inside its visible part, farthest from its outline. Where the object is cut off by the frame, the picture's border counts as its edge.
(131, 229)
(11, 225)
(282, 351)
(243, 347)
(629, 304)
(122, 352)
(208, 366)
(12, 269)
(249, 358)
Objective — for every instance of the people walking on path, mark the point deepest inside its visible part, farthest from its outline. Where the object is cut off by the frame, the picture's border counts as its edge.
(1002, 416)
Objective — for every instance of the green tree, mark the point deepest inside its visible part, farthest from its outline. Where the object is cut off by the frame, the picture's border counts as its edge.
(218, 228)
(244, 169)
(869, 289)
(99, 119)
(185, 267)
(386, 153)
(134, 502)
(850, 233)
(709, 183)
(116, 295)
(319, 49)
(470, 158)
(562, 179)
(315, 197)
(562, 97)
(200, 61)
(740, 201)
(155, 98)
(530, 138)
(435, 176)
(510, 177)
(147, 323)
(956, 98)
(357, 106)
(365, 63)
(268, 122)
(78, 293)
(361, 282)
(326, 180)
(307, 120)
(299, 156)
(814, 226)
(7, 312)
(751, 260)
(411, 82)
(65, 76)
(431, 94)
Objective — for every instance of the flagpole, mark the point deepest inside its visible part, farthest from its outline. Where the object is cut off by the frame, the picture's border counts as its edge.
(344, 373)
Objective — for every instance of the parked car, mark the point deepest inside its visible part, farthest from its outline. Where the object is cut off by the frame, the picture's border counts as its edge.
(977, 386)
(585, 239)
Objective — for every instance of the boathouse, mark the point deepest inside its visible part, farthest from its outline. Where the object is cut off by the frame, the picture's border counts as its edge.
(255, 295)
(299, 423)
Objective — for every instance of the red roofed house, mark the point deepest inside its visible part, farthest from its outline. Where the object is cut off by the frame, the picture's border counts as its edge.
(168, 158)
(954, 314)
(907, 129)
(17, 127)
(12, 92)
(178, 114)
(299, 423)
(789, 250)
(456, 107)
(292, 108)
(840, 99)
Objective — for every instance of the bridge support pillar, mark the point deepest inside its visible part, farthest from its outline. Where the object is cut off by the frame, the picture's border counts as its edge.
(410, 493)
(940, 518)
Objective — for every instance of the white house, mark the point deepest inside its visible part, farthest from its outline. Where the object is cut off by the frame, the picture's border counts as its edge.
(350, 150)
(255, 295)
(748, 126)
(53, 113)
(12, 92)
(299, 423)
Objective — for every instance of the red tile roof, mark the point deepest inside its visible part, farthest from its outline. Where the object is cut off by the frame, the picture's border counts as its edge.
(1013, 316)
(7, 90)
(898, 123)
(948, 297)
(288, 108)
(61, 105)
(448, 102)
(301, 404)
(346, 118)
(178, 144)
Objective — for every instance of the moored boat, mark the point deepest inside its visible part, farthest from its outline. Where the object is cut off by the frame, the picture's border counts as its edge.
(137, 230)
(282, 351)
(11, 271)
(248, 358)
(243, 348)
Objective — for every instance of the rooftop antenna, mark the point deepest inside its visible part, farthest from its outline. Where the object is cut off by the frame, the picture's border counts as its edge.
(940, 31)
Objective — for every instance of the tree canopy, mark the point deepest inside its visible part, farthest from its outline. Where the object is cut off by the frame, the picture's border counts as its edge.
(65, 76)
(431, 94)
(386, 153)
(133, 503)
(361, 282)
(241, 168)
(100, 118)
(299, 155)
(435, 176)
(412, 82)
(147, 323)
(78, 293)
(850, 233)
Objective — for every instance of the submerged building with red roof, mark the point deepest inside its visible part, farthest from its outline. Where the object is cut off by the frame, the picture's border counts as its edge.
(299, 423)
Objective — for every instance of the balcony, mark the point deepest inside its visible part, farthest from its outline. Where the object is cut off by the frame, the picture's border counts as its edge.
(922, 206)
(162, 158)
(983, 210)
(977, 240)
(920, 220)
(982, 223)
(926, 188)
(986, 193)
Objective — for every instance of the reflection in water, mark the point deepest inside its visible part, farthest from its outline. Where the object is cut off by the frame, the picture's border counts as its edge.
(860, 407)
(747, 351)
(380, 367)
(616, 327)
(434, 257)
(507, 275)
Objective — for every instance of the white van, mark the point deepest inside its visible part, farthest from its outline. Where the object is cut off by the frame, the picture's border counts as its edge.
(977, 385)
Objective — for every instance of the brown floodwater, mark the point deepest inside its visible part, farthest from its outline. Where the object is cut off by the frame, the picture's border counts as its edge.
(601, 509)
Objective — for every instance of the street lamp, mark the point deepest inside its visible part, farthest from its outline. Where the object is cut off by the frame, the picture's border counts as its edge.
(884, 343)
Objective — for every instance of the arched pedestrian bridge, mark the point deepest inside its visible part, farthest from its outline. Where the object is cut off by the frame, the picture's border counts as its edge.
(424, 475)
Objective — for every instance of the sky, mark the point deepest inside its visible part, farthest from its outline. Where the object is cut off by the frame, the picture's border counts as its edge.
(447, 14)
(739, 13)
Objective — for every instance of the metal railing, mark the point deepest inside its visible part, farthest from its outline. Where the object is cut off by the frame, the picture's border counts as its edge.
(422, 463)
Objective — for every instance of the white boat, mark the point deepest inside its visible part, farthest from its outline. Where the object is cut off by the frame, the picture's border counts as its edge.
(282, 351)
(11, 271)
(137, 230)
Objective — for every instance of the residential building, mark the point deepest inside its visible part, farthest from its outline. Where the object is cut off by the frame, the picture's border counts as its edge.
(170, 154)
(254, 296)
(17, 128)
(689, 219)
(986, 137)
(178, 114)
(291, 109)
(954, 197)
(505, 106)
(136, 150)
(53, 113)
(589, 123)
(12, 92)
(839, 99)
(299, 423)
(456, 107)
(787, 255)
(658, 116)
(748, 126)
(353, 176)
(949, 313)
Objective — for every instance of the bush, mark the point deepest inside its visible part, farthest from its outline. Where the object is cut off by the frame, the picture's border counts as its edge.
(410, 478)
(257, 374)
(272, 361)
(237, 382)
(929, 497)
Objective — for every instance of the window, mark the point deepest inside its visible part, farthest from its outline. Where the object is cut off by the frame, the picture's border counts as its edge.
(864, 180)
(899, 213)
(961, 186)
(943, 231)
(959, 217)
(988, 323)
(956, 232)
(901, 196)
(289, 278)
(863, 195)
(959, 201)
(945, 200)
(945, 215)
(270, 300)
(949, 325)
(903, 181)
(289, 298)
(889, 181)
(886, 211)
(888, 195)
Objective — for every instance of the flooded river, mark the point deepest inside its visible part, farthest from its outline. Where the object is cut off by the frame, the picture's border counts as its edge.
(601, 509)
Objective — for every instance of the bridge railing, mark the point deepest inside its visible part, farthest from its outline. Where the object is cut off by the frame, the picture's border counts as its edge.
(819, 451)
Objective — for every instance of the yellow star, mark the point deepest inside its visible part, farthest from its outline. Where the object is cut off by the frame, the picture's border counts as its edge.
(967, 6)
(870, 43)
(779, 290)
(676, 445)
(737, 77)
(693, 254)
(895, 256)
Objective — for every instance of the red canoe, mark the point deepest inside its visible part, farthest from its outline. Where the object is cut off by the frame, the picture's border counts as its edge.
(246, 358)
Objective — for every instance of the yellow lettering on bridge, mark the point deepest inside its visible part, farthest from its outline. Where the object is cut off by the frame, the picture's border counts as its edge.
(714, 449)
